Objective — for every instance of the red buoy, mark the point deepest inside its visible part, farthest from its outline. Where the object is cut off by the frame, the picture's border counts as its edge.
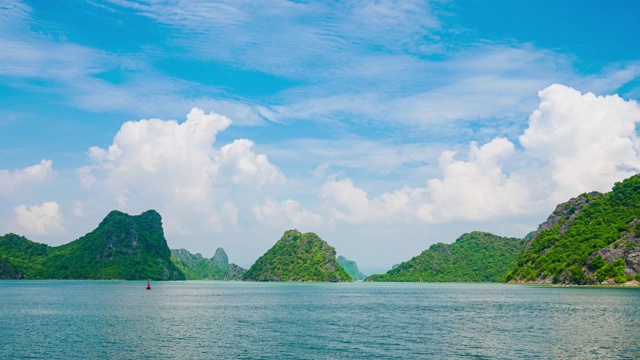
(148, 285)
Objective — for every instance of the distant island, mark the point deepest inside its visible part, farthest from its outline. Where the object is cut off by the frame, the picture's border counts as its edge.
(197, 267)
(298, 257)
(351, 268)
(473, 257)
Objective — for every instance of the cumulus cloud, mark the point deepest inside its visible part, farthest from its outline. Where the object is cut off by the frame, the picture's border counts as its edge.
(246, 166)
(12, 180)
(288, 213)
(175, 168)
(585, 142)
(574, 143)
(475, 189)
(41, 219)
(347, 203)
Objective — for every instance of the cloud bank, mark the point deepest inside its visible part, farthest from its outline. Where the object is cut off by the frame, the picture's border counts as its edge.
(574, 143)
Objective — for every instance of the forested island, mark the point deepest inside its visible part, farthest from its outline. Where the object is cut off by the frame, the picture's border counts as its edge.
(473, 257)
(121, 247)
(589, 240)
(298, 257)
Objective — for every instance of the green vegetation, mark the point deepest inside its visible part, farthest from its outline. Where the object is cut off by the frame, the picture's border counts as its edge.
(569, 251)
(298, 257)
(21, 258)
(351, 268)
(197, 267)
(473, 257)
(121, 247)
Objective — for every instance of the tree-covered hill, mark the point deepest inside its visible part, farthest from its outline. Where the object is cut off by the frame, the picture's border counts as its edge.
(351, 268)
(591, 239)
(473, 257)
(21, 258)
(298, 257)
(121, 247)
(197, 267)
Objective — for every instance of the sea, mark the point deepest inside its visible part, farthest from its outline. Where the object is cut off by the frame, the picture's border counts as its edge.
(248, 320)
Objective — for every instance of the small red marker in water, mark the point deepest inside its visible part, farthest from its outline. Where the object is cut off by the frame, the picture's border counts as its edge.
(148, 285)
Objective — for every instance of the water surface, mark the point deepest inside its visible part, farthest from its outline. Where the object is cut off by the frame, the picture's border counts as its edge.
(222, 320)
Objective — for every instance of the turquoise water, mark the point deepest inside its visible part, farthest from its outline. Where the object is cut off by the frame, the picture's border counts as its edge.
(225, 320)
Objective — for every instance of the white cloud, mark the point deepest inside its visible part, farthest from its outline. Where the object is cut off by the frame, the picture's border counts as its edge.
(46, 59)
(12, 14)
(247, 167)
(10, 181)
(147, 92)
(175, 168)
(264, 35)
(476, 189)
(286, 214)
(586, 142)
(574, 143)
(41, 219)
(345, 202)
(228, 213)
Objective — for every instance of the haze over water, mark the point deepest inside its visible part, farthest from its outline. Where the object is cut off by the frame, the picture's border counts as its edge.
(189, 320)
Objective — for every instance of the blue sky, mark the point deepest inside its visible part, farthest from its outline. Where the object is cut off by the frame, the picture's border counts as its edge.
(382, 126)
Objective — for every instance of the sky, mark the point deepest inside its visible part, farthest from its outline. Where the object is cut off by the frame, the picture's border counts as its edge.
(382, 126)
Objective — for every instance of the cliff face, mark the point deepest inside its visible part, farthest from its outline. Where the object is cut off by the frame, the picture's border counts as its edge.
(591, 239)
(565, 213)
(475, 256)
(121, 247)
(220, 258)
(298, 257)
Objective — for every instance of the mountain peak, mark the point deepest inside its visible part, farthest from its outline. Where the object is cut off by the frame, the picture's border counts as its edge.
(220, 258)
(298, 257)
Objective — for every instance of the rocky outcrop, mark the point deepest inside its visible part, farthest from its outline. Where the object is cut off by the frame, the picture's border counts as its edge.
(565, 213)
(591, 239)
(220, 258)
(236, 272)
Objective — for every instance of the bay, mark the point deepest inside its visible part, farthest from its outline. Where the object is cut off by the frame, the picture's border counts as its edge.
(227, 320)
